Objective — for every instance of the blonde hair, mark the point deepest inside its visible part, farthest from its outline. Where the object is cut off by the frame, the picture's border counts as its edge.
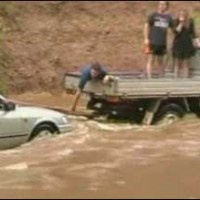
(185, 14)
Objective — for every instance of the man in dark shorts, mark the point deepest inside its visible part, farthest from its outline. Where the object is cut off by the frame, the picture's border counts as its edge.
(93, 71)
(155, 36)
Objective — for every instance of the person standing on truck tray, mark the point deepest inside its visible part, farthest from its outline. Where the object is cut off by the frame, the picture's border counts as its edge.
(155, 37)
(183, 47)
(93, 71)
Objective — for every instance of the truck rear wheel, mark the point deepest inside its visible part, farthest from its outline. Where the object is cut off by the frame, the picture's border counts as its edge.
(169, 114)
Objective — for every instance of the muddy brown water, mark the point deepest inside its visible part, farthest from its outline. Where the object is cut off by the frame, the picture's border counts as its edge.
(106, 160)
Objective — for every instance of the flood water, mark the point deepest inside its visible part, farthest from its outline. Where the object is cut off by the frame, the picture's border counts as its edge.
(106, 160)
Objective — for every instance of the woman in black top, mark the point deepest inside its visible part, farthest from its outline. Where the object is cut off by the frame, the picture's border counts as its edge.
(183, 48)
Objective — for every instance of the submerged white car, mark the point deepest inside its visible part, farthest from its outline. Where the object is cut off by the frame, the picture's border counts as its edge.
(19, 124)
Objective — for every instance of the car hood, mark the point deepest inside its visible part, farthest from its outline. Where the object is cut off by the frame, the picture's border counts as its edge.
(27, 111)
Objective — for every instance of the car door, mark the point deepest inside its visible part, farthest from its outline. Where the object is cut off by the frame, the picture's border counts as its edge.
(11, 130)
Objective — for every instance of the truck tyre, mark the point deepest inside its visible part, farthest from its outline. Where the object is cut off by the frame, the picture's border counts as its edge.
(43, 130)
(169, 114)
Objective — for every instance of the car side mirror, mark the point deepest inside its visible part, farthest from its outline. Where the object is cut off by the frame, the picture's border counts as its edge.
(9, 106)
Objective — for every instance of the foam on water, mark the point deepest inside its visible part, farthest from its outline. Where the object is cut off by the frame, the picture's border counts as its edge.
(17, 166)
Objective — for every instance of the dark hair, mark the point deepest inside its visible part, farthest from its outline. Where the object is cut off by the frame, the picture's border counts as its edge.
(166, 2)
(96, 66)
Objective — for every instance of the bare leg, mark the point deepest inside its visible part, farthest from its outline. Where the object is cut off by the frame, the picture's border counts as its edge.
(150, 61)
(176, 68)
(180, 67)
(173, 63)
(187, 64)
(160, 61)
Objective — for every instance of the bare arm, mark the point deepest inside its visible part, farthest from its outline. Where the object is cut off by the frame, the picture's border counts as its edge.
(76, 99)
(146, 33)
(179, 27)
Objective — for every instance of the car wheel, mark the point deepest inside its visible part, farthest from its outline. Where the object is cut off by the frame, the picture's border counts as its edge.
(43, 130)
(169, 114)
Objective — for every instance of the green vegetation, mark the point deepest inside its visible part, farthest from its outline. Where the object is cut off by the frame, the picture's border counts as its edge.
(196, 16)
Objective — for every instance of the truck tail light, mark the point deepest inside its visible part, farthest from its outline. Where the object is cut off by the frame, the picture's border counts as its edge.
(113, 99)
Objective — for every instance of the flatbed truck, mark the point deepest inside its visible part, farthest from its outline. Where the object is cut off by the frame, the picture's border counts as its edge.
(147, 101)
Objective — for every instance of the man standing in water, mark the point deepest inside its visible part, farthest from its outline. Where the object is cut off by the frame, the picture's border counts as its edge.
(155, 37)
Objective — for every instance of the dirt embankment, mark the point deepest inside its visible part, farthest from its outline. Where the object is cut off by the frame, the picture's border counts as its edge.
(47, 39)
